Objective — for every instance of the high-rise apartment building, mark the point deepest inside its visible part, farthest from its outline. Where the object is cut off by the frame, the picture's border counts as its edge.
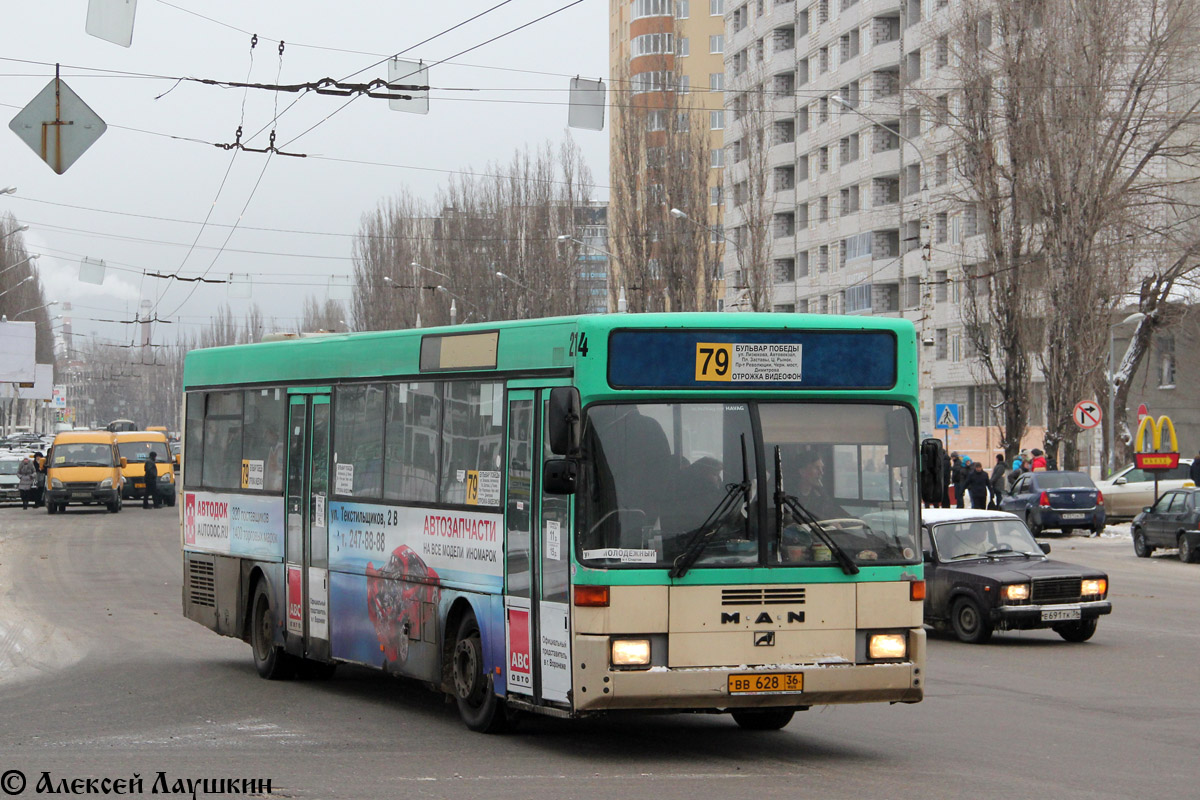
(671, 52)
(862, 220)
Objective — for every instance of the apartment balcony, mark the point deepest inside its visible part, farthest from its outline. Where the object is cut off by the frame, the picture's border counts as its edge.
(880, 56)
(784, 198)
(780, 61)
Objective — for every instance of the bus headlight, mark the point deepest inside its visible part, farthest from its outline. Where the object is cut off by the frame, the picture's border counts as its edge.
(630, 652)
(55, 483)
(887, 645)
(165, 478)
(1017, 591)
(106, 483)
(1094, 586)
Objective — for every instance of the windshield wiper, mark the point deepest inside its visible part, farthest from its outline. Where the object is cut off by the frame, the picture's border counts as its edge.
(700, 536)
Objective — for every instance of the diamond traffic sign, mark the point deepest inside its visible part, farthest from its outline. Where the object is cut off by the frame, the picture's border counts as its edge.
(945, 415)
(58, 125)
(1086, 414)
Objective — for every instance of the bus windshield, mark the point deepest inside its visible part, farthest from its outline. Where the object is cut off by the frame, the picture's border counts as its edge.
(83, 455)
(665, 479)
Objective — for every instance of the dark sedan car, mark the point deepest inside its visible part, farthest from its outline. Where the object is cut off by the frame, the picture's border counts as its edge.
(985, 572)
(1056, 499)
(1174, 521)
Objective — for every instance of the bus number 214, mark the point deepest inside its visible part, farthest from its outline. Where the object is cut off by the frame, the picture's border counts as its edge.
(578, 344)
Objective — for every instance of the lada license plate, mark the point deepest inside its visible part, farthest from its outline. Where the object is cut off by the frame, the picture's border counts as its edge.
(1073, 516)
(1060, 614)
(767, 683)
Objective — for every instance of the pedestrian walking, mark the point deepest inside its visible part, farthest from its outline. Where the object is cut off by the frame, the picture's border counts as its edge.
(958, 476)
(976, 484)
(1039, 461)
(998, 482)
(151, 479)
(26, 481)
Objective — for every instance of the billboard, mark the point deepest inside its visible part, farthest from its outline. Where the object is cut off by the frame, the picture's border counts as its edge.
(17, 360)
(42, 388)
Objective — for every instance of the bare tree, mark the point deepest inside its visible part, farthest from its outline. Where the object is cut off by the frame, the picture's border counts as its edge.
(1084, 118)
(660, 160)
(753, 194)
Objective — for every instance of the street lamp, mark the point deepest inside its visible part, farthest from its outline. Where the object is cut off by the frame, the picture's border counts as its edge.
(415, 266)
(1112, 387)
(510, 279)
(15, 285)
(8, 190)
(566, 237)
(19, 263)
(36, 308)
(15, 230)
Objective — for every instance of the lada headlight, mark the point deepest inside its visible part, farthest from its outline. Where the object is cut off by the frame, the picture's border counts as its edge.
(1097, 587)
(1016, 591)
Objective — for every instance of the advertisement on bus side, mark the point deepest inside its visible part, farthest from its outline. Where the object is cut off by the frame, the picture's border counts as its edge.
(233, 525)
(462, 547)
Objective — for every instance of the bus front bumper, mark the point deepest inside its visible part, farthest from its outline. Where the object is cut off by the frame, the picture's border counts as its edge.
(708, 688)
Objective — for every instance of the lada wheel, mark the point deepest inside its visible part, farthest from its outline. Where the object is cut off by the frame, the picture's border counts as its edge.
(481, 710)
(1141, 548)
(763, 719)
(1079, 631)
(970, 625)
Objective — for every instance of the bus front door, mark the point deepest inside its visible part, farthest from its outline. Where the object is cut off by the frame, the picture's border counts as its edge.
(307, 544)
(536, 611)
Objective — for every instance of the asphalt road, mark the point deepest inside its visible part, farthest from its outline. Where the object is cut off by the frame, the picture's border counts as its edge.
(102, 677)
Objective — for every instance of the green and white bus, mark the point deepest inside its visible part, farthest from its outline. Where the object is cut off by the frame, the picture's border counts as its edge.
(569, 516)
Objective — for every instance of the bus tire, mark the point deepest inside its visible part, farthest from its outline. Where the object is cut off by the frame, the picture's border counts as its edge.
(269, 659)
(51, 508)
(763, 719)
(115, 505)
(481, 710)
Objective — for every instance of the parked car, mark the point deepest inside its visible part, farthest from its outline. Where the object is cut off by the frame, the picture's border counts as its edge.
(1130, 490)
(1174, 521)
(984, 572)
(9, 479)
(1056, 499)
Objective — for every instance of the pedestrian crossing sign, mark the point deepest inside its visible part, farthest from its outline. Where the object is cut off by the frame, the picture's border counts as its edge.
(945, 415)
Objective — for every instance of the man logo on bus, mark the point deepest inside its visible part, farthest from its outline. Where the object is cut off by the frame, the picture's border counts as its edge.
(189, 519)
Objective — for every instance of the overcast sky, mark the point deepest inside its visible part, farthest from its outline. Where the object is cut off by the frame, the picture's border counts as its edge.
(138, 198)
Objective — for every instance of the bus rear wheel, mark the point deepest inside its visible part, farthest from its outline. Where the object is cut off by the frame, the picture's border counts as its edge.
(481, 710)
(763, 719)
(270, 660)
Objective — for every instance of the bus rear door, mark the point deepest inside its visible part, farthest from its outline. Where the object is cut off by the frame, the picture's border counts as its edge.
(307, 546)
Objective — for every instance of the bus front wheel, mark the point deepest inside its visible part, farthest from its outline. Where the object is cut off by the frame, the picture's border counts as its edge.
(481, 710)
(270, 661)
(763, 719)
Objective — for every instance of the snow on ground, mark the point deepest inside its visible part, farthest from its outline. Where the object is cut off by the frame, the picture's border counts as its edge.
(1118, 530)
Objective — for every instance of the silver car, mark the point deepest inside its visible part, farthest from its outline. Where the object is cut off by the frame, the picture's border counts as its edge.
(1131, 489)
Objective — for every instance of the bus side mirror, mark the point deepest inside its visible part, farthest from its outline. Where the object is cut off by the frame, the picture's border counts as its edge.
(559, 476)
(124, 462)
(564, 420)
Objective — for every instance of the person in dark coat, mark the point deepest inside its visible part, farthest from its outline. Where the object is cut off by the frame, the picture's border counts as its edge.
(976, 483)
(999, 482)
(150, 489)
(958, 474)
(947, 466)
(1194, 471)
